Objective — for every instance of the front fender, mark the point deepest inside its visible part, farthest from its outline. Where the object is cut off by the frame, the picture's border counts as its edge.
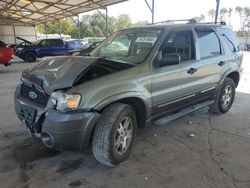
(100, 97)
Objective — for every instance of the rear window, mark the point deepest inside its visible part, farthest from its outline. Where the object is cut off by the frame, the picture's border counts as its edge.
(209, 43)
(230, 39)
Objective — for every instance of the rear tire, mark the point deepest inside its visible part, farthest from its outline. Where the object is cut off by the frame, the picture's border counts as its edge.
(114, 134)
(224, 98)
(30, 57)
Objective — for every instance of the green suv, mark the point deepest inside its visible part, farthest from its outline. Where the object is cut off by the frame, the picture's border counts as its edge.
(137, 76)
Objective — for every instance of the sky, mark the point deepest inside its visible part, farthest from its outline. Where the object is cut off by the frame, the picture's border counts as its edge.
(174, 9)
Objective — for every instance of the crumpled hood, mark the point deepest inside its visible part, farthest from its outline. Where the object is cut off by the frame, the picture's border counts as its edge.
(64, 72)
(57, 73)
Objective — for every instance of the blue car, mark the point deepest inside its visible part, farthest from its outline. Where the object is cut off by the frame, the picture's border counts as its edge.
(42, 48)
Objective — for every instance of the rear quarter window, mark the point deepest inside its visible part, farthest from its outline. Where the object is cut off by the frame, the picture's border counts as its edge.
(230, 38)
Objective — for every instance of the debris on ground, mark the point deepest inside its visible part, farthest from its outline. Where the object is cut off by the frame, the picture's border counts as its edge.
(189, 122)
(155, 135)
(192, 135)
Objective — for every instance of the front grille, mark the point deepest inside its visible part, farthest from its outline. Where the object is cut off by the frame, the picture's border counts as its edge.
(41, 97)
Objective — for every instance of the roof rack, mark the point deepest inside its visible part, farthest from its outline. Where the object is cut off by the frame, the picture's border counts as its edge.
(220, 23)
(189, 21)
(180, 20)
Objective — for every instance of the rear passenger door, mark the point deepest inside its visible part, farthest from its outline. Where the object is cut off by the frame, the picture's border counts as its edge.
(56, 46)
(211, 60)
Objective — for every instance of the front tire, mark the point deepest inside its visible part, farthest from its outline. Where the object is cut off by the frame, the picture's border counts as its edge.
(30, 57)
(225, 97)
(114, 134)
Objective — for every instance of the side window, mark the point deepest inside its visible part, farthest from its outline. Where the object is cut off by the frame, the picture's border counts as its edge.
(49, 42)
(55, 42)
(209, 44)
(181, 43)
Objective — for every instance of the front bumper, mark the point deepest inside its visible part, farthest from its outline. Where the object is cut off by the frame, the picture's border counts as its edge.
(58, 130)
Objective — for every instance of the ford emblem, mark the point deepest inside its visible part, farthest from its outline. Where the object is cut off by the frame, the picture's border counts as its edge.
(32, 95)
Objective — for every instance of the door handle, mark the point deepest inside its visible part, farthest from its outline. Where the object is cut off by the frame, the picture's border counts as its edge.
(221, 63)
(192, 70)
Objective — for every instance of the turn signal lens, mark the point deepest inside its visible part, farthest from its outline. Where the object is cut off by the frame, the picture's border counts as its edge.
(73, 101)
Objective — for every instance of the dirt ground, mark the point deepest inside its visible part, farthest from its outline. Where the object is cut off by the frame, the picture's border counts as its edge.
(196, 151)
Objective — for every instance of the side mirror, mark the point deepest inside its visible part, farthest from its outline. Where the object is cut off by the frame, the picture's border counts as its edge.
(170, 59)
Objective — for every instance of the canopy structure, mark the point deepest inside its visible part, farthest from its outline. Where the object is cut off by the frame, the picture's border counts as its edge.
(34, 12)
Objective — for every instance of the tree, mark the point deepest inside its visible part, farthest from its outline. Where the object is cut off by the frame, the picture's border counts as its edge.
(140, 23)
(90, 25)
(65, 26)
(202, 18)
(246, 12)
(123, 21)
(230, 10)
(239, 10)
(223, 13)
(212, 14)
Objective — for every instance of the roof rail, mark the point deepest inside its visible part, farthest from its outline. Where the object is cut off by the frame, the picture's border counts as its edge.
(180, 20)
(189, 21)
(221, 23)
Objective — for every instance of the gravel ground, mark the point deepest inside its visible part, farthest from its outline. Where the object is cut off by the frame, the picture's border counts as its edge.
(199, 150)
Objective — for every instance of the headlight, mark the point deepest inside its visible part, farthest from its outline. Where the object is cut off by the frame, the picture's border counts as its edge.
(64, 101)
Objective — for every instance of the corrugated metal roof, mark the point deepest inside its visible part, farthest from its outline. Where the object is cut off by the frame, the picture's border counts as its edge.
(41, 11)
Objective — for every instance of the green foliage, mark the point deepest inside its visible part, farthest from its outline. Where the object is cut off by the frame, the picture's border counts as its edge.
(64, 26)
(90, 25)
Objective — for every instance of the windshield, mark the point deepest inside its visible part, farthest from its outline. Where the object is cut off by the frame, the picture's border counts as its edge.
(132, 46)
(85, 46)
(37, 42)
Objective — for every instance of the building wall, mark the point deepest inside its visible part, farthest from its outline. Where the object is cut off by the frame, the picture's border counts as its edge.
(9, 32)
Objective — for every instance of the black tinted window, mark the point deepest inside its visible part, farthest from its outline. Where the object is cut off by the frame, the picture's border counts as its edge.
(209, 44)
(54, 42)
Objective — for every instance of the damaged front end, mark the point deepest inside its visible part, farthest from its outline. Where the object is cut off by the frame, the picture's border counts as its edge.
(50, 113)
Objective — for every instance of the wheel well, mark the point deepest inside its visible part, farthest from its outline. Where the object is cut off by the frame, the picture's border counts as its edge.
(139, 107)
(235, 76)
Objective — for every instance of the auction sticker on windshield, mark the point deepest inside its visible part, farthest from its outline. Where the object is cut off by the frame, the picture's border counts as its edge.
(146, 39)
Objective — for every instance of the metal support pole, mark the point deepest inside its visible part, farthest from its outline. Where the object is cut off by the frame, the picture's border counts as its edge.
(14, 31)
(106, 22)
(46, 31)
(79, 29)
(151, 8)
(60, 29)
(153, 11)
(217, 10)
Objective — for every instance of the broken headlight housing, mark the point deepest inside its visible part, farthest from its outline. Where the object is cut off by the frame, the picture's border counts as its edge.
(62, 101)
